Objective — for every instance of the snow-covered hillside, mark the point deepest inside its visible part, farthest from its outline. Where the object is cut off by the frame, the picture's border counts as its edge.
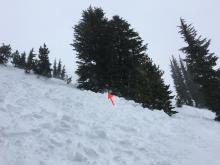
(46, 122)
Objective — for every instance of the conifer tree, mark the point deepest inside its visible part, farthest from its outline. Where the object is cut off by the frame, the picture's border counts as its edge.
(183, 93)
(55, 69)
(201, 63)
(192, 87)
(22, 61)
(30, 61)
(91, 45)
(43, 64)
(133, 74)
(111, 55)
(179, 100)
(59, 69)
(19, 60)
(151, 88)
(63, 73)
(16, 58)
(127, 51)
(5, 53)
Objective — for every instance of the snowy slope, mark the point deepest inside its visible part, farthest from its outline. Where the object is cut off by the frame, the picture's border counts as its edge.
(46, 122)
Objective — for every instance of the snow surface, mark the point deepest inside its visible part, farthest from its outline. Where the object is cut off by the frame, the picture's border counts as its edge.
(46, 122)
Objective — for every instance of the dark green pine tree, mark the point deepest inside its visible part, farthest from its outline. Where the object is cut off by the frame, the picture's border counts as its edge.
(43, 64)
(132, 73)
(5, 53)
(16, 58)
(59, 69)
(22, 61)
(30, 65)
(179, 100)
(201, 63)
(152, 91)
(183, 93)
(55, 69)
(192, 87)
(91, 44)
(63, 73)
(19, 60)
(127, 50)
(111, 56)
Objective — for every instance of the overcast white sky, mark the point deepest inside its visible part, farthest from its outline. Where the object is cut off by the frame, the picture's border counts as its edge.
(29, 23)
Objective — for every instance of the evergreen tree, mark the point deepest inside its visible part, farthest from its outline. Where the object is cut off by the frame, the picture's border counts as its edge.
(59, 69)
(127, 51)
(30, 61)
(151, 89)
(5, 53)
(43, 64)
(192, 87)
(91, 44)
(22, 61)
(19, 60)
(16, 58)
(183, 93)
(135, 76)
(179, 100)
(201, 63)
(111, 55)
(55, 69)
(63, 73)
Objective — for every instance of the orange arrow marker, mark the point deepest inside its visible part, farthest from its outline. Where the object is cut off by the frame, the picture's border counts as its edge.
(110, 98)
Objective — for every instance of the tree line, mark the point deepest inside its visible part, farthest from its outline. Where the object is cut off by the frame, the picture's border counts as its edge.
(36, 63)
(111, 56)
(196, 79)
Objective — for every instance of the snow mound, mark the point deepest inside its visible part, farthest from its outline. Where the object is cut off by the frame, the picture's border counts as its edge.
(46, 122)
